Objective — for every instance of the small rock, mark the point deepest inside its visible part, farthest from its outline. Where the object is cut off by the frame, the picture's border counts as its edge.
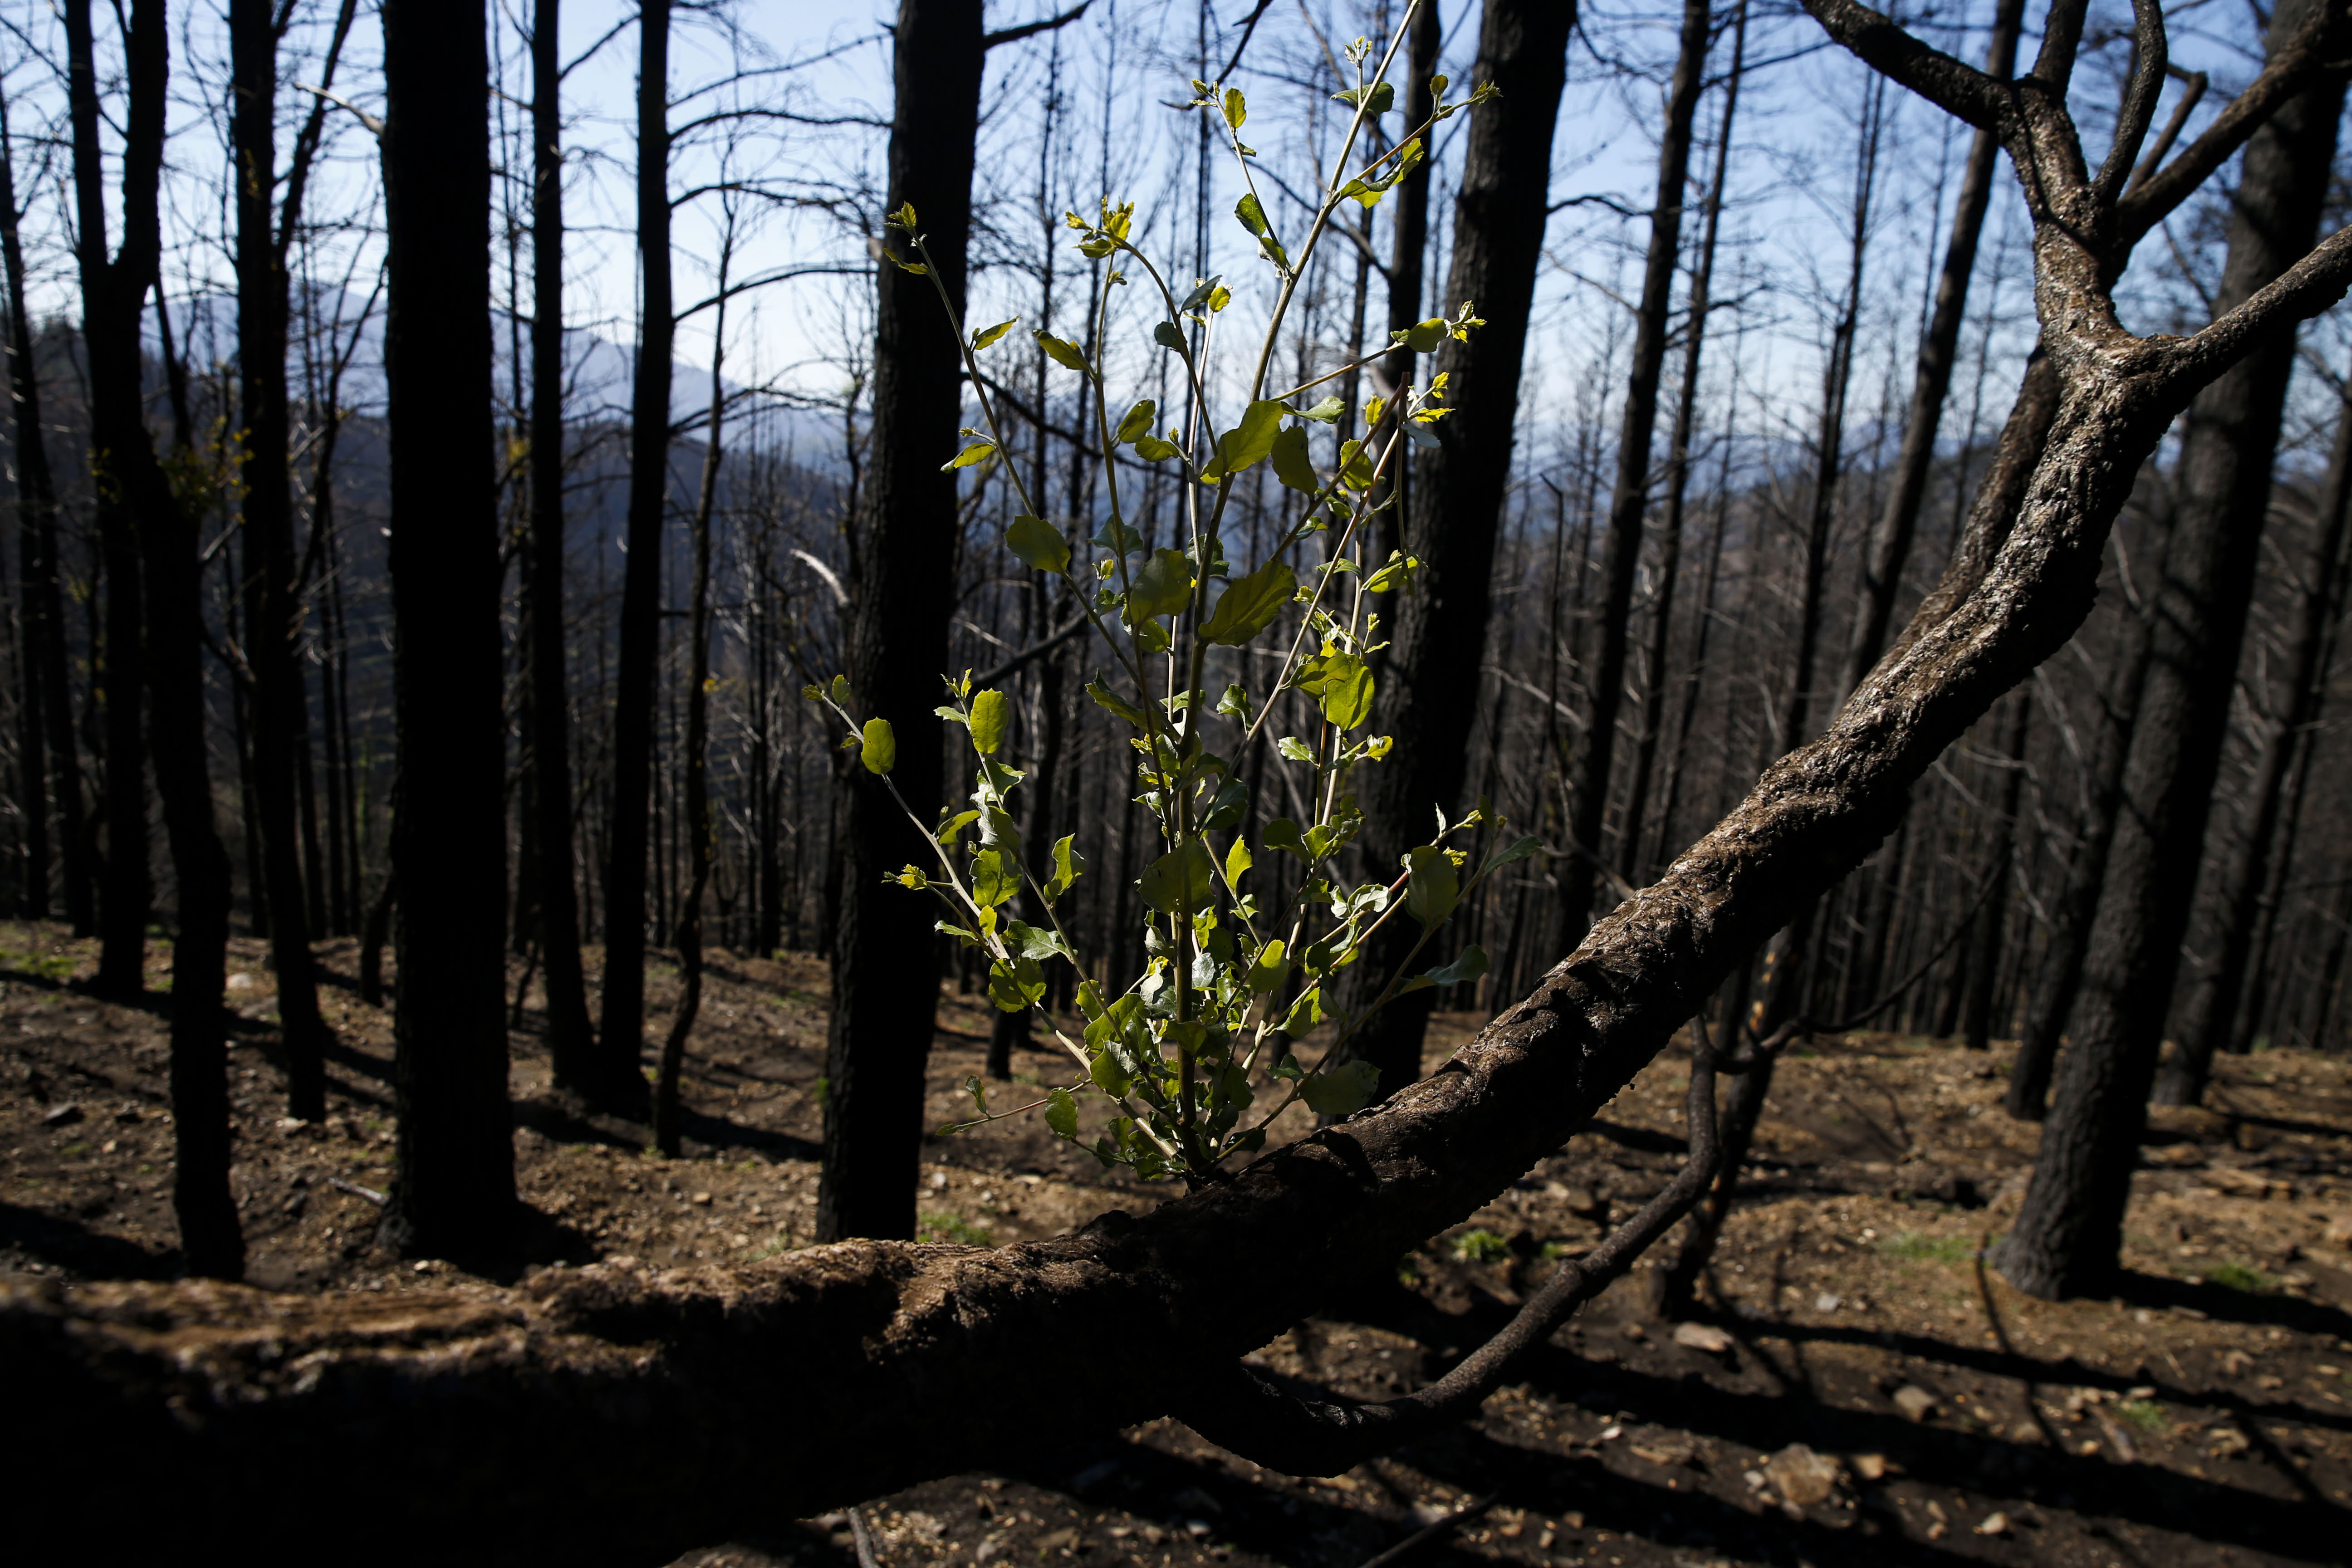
(1804, 1477)
(2226, 1442)
(1915, 1402)
(1429, 1513)
(240, 982)
(1635, 1333)
(1870, 1466)
(1993, 1524)
(702, 1199)
(128, 1113)
(2339, 1231)
(63, 1116)
(297, 1204)
(1197, 1529)
(1825, 1302)
(1755, 1480)
(1582, 1202)
(1055, 1540)
(1703, 1337)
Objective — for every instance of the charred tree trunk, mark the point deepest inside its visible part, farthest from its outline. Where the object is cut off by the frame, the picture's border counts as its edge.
(883, 993)
(571, 1041)
(1455, 508)
(144, 526)
(1889, 549)
(52, 771)
(2069, 1233)
(113, 292)
(2213, 1016)
(623, 1027)
(452, 1191)
(272, 613)
(1991, 921)
(1629, 497)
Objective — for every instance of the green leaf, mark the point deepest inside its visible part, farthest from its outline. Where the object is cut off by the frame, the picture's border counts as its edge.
(1068, 354)
(1152, 450)
(1269, 971)
(1226, 810)
(1068, 867)
(1040, 943)
(904, 217)
(995, 878)
(1105, 1070)
(1162, 588)
(1117, 537)
(1018, 988)
(1236, 108)
(1433, 891)
(1237, 861)
(1341, 1090)
(1039, 544)
(1105, 698)
(987, 336)
(1341, 685)
(1516, 851)
(1168, 335)
(1422, 339)
(1207, 288)
(1062, 1113)
(1384, 97)
(878, 747)
(1252, 213)
(1248, 443)
(1247, 607)
(1292, 464)
(1355, 467)
(1182, 881)
(841, 690)
(1138, 421)
(978, 452)
(1327, 412)
(1471, 965)
(1295, 749)
(992, 715)
(1282, 834)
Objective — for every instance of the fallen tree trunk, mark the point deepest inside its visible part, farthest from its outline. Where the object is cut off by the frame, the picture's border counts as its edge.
(608, 1414)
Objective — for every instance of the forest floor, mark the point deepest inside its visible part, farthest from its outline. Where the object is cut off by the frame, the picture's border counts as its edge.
(1861, 1391)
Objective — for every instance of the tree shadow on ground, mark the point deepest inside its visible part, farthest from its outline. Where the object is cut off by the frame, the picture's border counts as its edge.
(65, 1244)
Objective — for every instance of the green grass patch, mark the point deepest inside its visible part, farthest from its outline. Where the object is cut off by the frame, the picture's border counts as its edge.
(1481, 1247)
(2145, 1414)
(56, 968)
(1921, 1247)
(74, 1149)
(956, 1228)
(2238, 1276)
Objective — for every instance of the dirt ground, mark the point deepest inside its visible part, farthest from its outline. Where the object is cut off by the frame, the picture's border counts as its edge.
(1863, 1391)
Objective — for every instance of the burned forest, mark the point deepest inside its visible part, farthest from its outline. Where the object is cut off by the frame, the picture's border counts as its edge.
(1166, 783)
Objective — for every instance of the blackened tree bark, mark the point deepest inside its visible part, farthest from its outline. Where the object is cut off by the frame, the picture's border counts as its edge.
(902, 592)
(622, 1030)
(272, 608)
(1629, 495)
(1678, 461)
(2069, 1233)
(137, 508)
(48, 745)
(2060, 981)
(113, 292)
(1408, 270)
(452, 1191)
(2213, 1014)
(571, 1041)
(1889, 549)
(1991, 919)
(1454, 506)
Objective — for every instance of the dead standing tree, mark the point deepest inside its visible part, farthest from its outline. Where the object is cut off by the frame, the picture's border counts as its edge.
(661, 1391)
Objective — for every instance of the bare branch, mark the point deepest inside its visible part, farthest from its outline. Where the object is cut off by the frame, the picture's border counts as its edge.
(2150, 60)
(1051, 23)
(1954, 86)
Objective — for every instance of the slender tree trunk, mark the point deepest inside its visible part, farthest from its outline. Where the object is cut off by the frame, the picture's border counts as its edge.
(1629, 497)
(2215, 1009)
(272, 613)
(1889, 549)
(699, 835)
(571, 1041)
(1678, 450)
(452, 1194)
(1457, 492)
(884, 996)
(50, 752)
(1985, 941)
(1407, 259)
(138, 509)
(2069, 1233)
(633, 698)
(112, 293)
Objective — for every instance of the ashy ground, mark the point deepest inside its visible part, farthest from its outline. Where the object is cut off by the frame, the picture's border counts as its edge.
(1863, 1391)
